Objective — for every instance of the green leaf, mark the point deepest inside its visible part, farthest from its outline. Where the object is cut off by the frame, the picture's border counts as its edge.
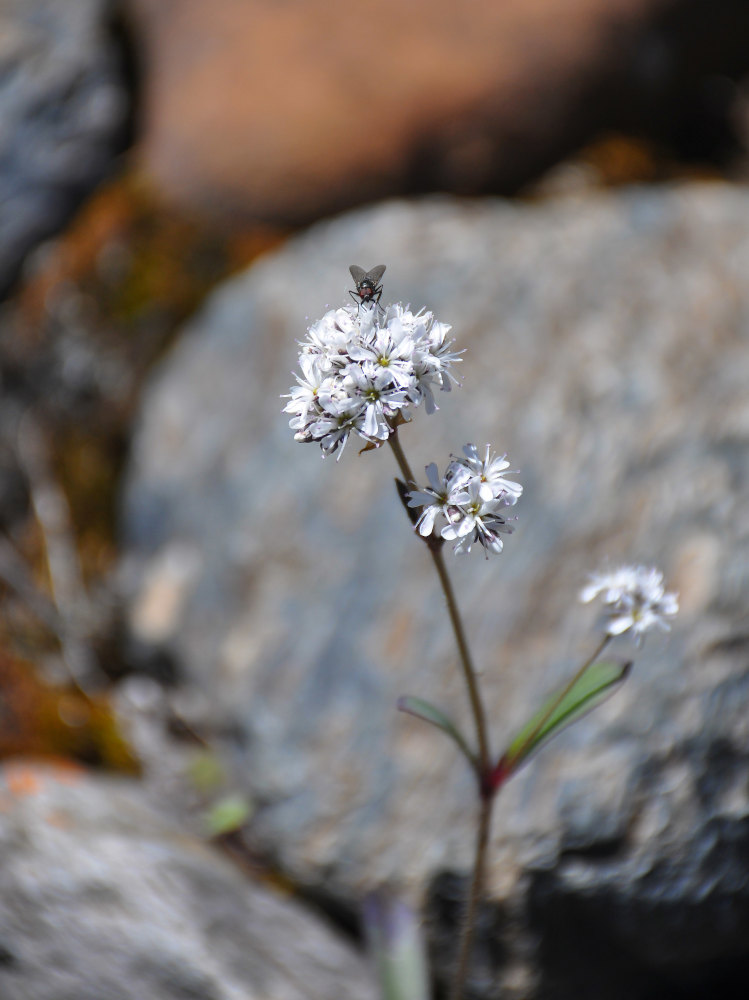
(588, 691)
(426, 711)
(228, 815)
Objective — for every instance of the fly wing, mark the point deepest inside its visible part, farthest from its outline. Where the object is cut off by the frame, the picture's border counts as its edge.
(375, 274)
(358, 274)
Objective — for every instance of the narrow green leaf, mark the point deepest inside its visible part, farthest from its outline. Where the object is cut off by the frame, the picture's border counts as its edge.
(589, 691)
(426, 711)
(228, 815)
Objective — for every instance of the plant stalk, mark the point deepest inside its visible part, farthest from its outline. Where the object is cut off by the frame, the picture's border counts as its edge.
(486, 793)
(474, 896)
(469, 673)
(401, 459)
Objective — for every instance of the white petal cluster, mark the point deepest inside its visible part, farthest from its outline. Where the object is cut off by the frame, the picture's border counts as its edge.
(470, 499)
(364, 369)
(634, 597)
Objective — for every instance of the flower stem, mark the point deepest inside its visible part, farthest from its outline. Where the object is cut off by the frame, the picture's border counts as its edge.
(486, 792)
(474, 895)
(401, 459)
(469, 673)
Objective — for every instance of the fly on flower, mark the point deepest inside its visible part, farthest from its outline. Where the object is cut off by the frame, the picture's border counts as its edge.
(368, 287)
(365, 370)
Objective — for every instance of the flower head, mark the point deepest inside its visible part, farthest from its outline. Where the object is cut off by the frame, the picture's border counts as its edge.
(634, 597)
(470, 498)
(488, 472)
(364, 369)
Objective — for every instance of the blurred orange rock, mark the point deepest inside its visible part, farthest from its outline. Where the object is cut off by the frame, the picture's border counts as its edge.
(287, 111)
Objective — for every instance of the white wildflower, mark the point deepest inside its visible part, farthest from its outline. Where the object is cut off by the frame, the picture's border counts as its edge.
(384, 354)
(634, 597)
(471, 498)
(376, 398)
(304, 396)
(437, 498)
(474, 519)
(489, 472)
(364, 369)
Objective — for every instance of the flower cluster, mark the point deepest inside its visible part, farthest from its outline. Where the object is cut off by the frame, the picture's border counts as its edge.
(471, 498)
(635, 598)
(363, 369)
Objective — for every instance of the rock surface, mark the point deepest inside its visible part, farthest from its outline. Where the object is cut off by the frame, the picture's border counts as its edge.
(101, 898)
(287, 112)
(63, 108)
(607, 350)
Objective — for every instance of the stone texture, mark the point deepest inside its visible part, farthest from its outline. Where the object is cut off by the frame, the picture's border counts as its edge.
(286, 112)
(63, 108)
(607, 350)
(101, 898)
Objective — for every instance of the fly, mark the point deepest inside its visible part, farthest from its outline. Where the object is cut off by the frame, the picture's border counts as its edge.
(368, 287)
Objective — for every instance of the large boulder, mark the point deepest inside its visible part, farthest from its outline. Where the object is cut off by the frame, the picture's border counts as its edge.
(63, 108)
(287, 112)
(606, 350)
(103, 898)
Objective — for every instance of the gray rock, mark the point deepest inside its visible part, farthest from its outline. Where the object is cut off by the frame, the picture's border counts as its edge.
(101, 898)
(63, 109)
(607, 350)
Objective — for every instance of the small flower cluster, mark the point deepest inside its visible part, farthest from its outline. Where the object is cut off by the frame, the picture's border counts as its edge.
(635, 598)
(363, 369)
(471, 497)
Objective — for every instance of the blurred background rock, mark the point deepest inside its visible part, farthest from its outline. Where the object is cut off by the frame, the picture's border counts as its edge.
(193, 602)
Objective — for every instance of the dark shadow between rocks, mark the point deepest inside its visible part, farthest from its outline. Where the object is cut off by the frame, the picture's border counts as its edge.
(122, 33)
(583, 947)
